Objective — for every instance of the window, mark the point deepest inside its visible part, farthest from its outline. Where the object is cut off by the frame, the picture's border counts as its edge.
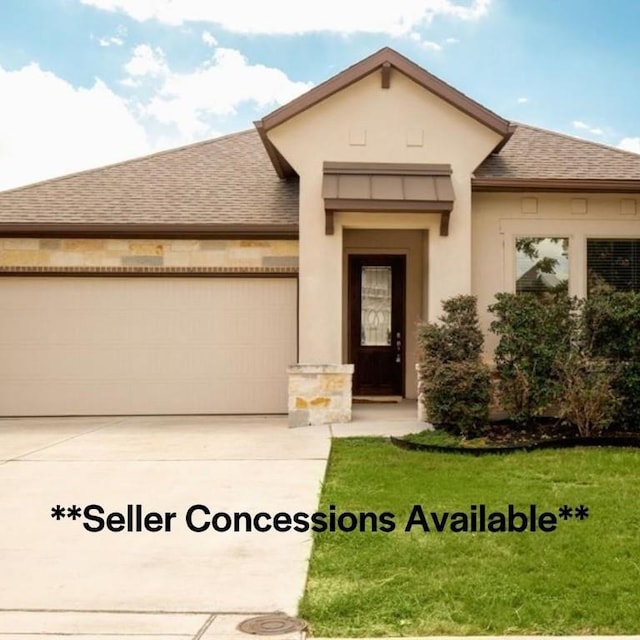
(542, 265)
(375, 307)
(613, 265)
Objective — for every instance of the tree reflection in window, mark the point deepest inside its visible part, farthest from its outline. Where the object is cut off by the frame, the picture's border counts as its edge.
(542, 265)
(613, 265)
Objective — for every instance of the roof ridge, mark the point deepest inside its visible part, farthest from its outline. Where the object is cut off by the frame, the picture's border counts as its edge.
(155, 154)
(568, 136)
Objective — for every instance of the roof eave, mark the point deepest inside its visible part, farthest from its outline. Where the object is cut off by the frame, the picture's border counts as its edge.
(376, 61)
(283, 168)
(573, 185)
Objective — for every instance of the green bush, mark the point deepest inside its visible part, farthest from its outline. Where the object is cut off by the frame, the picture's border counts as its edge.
(533, 333)
(612, 331)
(455, 382)
(456, 395)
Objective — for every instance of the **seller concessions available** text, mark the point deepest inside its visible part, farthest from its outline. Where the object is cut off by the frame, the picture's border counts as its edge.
(200, 518)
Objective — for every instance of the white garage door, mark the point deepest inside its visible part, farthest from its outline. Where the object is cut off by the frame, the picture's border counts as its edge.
(125, 346)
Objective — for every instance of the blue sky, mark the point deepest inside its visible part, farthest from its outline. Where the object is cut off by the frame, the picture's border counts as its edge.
(88, 82)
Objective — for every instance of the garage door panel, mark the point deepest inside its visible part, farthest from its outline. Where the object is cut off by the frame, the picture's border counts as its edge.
(145, 345)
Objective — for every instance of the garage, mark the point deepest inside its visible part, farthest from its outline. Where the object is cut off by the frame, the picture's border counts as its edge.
(146, 345)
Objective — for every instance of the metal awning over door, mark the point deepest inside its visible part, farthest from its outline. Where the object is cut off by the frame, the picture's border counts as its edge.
(389, 188)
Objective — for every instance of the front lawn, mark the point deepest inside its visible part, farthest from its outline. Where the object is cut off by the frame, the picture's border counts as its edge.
(582, 578)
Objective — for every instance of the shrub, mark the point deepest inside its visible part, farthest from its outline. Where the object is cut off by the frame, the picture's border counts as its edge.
(456, 395)
(455, 382)
(533, 332)
(588, 398)
(612, 331)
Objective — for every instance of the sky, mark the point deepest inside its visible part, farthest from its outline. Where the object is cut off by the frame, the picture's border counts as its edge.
(84, 83)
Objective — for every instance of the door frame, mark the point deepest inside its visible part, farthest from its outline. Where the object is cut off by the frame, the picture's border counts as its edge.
(398, 261)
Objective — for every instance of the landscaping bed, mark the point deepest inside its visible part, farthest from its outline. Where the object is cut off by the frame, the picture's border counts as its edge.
(503, 437)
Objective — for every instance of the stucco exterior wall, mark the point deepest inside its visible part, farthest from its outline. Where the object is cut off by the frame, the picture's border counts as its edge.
(365, 123)
(100, 253)
(498, 218)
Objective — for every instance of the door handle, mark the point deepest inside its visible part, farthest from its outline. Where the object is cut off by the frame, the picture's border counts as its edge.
(398, 347)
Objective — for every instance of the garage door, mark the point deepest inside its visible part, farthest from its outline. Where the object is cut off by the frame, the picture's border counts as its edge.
(125, 346)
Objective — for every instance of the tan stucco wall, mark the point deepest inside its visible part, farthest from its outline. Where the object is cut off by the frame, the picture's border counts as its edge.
(413, 245)
(499, 218)
(54, 252)
(364, 123)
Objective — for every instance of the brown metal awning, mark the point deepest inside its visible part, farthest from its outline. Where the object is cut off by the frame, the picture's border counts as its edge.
(389, 188)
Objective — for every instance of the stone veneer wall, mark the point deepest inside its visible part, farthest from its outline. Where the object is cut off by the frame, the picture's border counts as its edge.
(319, 394)
(123, 254)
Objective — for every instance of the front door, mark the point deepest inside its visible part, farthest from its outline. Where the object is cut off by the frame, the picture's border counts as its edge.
(376, 324)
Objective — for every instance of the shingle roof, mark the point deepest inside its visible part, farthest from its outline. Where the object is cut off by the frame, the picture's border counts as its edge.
(227, 180)
(533, 153)
(230, 181)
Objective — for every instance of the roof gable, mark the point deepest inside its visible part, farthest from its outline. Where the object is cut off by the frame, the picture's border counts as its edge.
(386, 61)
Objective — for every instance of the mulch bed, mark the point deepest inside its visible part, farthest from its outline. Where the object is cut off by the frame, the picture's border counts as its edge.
(503, 436)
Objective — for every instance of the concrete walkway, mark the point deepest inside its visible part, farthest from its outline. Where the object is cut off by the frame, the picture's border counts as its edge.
(61, 580)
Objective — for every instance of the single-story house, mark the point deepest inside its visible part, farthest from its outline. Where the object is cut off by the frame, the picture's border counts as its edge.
(284, 269)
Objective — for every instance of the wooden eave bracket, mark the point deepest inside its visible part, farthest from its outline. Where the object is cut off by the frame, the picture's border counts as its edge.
(329, 227)
(386, 75)
(444, 223)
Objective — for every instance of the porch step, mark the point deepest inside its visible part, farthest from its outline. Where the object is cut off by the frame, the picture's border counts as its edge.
(376, 399)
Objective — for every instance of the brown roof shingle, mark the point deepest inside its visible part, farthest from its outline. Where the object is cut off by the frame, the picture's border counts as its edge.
(227, 180)
(533, 153)
(230, 182)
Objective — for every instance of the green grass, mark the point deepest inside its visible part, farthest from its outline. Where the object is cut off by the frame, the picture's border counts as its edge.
(583, 578)
(436, 437)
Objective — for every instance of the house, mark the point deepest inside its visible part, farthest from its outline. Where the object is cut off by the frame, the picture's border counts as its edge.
(536, 281)
(284, 268)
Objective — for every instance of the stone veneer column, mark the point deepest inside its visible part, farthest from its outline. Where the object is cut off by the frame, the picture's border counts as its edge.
(319, 394)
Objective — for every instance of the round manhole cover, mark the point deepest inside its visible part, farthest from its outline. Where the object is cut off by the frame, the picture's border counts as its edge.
(272, 625)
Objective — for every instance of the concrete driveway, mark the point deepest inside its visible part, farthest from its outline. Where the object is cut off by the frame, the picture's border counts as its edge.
(164, 464)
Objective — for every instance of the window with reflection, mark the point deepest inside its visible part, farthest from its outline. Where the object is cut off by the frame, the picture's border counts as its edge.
(542, 265)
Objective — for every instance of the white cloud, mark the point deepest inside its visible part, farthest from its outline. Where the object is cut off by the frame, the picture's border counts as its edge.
(207, 38)
(107, 42)
(57, 128)
(52, 127)
(431, 46)
(630, 144)
(583, 126)
(452, 40)
(295, 17)
(117, 40)
(523, 100)
(146, 61)
(217, 87)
